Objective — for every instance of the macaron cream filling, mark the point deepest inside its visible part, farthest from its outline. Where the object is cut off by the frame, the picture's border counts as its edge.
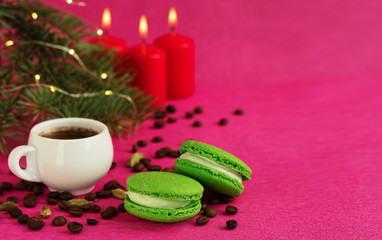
(211, 164)
(154, 202)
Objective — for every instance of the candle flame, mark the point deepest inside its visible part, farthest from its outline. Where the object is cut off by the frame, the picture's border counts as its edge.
(143, 27)
(106, 19)
(172, 18)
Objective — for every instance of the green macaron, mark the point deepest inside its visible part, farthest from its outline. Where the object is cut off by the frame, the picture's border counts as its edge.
(163, 196)
(213, 167)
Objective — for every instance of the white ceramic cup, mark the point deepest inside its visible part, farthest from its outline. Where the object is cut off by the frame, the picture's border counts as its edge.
(73, 165)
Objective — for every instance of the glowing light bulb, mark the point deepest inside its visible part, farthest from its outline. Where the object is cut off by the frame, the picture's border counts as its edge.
(34, 15)
(9, 43)
(69, 1)
(99, 32)
(71, 51)
(103, 75)
(37, 77)
(52, 88)
(108, 92)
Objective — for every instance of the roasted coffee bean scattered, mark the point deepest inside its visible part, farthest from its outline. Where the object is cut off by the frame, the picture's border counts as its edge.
(113, 210)
(198, 110)
(51, 201)
(189, 114)
(29, 203)
(171, 109)
(107, 214)
(33, 219)
(37, 189)
(159, 124)
(59, 221)
(113, 184)
(63, 205)
(85, 207)
(35, 224)
(223, 122)
(22, 185)
(7, 186)
(104, 194)
(90, 196)
(204, 205)
(121, 207)
(138, 167)
(154, 168)
(225, 199)
(95, 208)
(142, 143)
(12, 199)
(15, 212)
(75, 227)
(31, 195)
(173, 154)
(238, 112)
(160, 114)
(135, 148)
(23, 218)
(197, 123)
(202, 220)
(168, 170)
(113, 165)
(91, 221)
(231, 210)
(65, 196)
(54, 194)
(210, 212)
(231, 224)
(172, 119)
(1, 191)
(145, 161)
(160, 154)
(214, 200)
(157, 139)
(75, 211)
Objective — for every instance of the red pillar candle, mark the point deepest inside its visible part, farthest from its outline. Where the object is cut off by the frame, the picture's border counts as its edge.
(179, 51)
(149, 64)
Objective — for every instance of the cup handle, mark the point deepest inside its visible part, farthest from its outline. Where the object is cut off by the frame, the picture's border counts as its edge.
(31, 171)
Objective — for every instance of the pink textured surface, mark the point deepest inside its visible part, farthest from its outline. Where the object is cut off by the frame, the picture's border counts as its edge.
(308, 77)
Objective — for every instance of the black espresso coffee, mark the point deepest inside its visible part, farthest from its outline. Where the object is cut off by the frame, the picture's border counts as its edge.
(69, 133)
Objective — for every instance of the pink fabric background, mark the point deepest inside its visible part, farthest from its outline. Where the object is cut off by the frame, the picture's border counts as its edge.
(307, 75)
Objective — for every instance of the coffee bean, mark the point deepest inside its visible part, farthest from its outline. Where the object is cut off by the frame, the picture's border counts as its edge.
(231, 224)
(59, 221)
(104, 194)
(113, 184)
(63, 205)
(135, 148)
(90, 196)
(189, 114)
(1, 191)
(160, 154)
(22, 185)
(12, 199)
(204, 205)
(35, 225)
(29, 203)
(75, 211)
(138, 167)
(198, 110)
(113, 210)
(238, 112)
(142, 143)
(31, 196)
(23, 218)
(172, 119)
(37, 190)
(157, 139)
(159, 124)
(113, 165)
(170, 109)
(15, 212)
(85, 207)
(54, 194)
(231, 210)
(160, 114)
(33, 219)
(210, 212)
(174, 154)
(145, 161)
(223, 122)
(75, 227)
(7, 186)
(51, 201)
(95, 208)
(214, 200)
(202, 220)
(197, 123)
(154, 168)
(121, 207)
(225, 199)
(65, 196)
(107, 214)
(168, 170)
(91, 221)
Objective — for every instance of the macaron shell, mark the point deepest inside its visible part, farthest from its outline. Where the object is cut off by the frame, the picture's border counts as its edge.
(211, 179)
(163, 215)
(165, 185)
(218, 155)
